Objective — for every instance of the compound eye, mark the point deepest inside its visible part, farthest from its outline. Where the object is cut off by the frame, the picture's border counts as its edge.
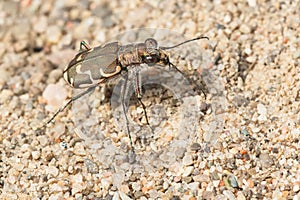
(151, 60)
(151, 43)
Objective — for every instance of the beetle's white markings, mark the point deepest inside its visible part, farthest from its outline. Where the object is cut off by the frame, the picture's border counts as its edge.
(118, 69)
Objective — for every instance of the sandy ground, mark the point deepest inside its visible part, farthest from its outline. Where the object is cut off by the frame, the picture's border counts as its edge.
(240, 142)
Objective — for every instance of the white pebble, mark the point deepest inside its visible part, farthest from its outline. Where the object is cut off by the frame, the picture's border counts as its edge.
(77, 187)
(56, 196)
(105, 183)
(194, 186)
(252, 3)
(11, 179)
(137, 186)
(43, 140)
(18, 166)
(53, 34)
(240, 196)
(4, 76)
(77, 183)
(36, 154)
(79, 149)
(51, 170)
(188, 170)
(116, 196)
(227, 18)
(41, 25)
(248, 51)
(124, 196)
(262, 111)
(54, 94)
(55, 188)
(216, 183)
(187, 160)
(229, 195)
(244, 29)
(296, 188)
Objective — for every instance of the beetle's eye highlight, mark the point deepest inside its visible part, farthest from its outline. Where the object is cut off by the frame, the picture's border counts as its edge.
(151, 59)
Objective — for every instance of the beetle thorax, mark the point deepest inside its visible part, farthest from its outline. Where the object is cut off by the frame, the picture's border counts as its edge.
(131, 54)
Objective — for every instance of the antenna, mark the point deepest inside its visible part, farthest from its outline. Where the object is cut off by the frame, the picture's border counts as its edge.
(197, 38)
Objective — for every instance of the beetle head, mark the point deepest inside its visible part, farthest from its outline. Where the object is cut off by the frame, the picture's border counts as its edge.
(153, 55)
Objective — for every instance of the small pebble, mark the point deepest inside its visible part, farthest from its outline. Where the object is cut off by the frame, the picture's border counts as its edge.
(53, 34)
(123, 196)
(51, 171)
(79, 149)
(188, 170)
(41, 25)
(240, 196)
(262, 111)
(252, 3)
(265, 160)
(195, 147)
(91, 166)
(36, 155)
(54, 94)
(296, 188)
(55, 188)
(77, 183)
(232, 180)
(245, 29)
(187, 160)
(229, 195)
(201, 178)
(194, 186)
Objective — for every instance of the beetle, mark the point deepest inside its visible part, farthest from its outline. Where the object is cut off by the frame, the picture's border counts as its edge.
(94, 66)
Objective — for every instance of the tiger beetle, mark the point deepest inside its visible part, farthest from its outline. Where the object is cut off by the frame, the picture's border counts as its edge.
(94, 66)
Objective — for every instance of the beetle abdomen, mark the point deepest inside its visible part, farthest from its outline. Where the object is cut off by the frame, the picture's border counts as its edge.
(93, 66)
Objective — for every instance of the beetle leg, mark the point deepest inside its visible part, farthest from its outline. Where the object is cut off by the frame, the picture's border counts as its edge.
(138, 93)
(124, 109)
(146, 116)
(69, 102)
(189, 79)
(84, 46)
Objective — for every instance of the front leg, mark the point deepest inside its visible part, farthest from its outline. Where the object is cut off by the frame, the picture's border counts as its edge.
(138, 91)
